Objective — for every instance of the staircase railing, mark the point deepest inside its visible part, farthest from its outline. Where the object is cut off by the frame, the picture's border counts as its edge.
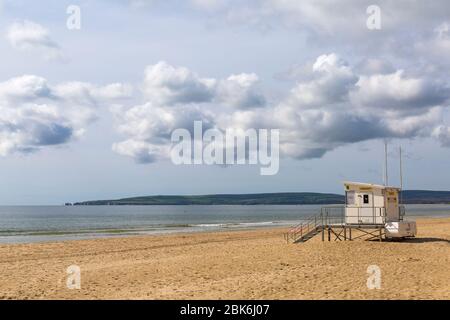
(328, 215)
(303, 228)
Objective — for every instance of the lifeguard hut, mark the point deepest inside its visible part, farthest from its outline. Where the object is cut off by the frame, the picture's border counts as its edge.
(371, 204)
(373, 210)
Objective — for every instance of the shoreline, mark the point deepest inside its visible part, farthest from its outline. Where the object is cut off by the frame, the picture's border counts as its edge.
(52, 236)
(239, 264)
(131, 233)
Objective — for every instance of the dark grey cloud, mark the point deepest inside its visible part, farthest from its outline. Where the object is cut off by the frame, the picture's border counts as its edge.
(35, 114)
(49, 134)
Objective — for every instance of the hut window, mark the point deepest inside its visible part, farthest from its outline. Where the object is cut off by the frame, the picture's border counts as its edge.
(366, 199)
(350, 197)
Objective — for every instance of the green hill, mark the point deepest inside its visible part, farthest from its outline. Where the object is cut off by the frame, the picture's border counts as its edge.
(425, 196)
(292, 198)
(227, 199)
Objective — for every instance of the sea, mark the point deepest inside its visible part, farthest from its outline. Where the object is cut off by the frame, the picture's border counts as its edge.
(24, 224)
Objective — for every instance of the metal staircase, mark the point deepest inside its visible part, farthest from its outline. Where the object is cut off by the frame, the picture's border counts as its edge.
(305, 230)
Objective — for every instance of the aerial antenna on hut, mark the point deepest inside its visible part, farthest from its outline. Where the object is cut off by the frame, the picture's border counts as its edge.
(386, 181)
(401, 173)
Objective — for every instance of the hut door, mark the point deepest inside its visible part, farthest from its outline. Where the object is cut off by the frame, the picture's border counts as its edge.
(392, 208)
(366, 208)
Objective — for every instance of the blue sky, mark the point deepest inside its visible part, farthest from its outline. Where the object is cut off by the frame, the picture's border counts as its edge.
(80, 108)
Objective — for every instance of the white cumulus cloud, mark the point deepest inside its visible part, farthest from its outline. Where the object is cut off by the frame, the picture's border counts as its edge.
(168, 85)
(30, 36)
(334, 104)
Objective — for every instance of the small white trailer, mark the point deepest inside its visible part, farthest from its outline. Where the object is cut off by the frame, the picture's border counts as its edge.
(400, 229)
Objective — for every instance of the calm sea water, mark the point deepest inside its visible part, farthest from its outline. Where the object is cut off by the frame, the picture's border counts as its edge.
(51, 223)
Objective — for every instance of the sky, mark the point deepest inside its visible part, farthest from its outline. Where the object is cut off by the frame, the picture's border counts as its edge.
(90, 92)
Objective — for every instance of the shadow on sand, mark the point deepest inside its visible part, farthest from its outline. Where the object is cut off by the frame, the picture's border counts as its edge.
(423, 240)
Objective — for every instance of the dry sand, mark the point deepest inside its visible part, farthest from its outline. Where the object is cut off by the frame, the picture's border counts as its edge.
(255, 264)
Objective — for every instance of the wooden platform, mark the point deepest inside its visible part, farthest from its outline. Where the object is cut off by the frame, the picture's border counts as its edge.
(345, 232)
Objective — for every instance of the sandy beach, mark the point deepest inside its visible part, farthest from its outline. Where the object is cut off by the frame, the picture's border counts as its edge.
(252, 264)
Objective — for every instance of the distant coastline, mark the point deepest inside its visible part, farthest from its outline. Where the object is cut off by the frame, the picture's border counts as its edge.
(286, 198)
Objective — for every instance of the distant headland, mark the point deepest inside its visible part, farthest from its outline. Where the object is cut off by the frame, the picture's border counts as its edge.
(286, 198)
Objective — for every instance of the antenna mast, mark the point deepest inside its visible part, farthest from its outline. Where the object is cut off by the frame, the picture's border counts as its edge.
(386, 181)
(401, 174)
